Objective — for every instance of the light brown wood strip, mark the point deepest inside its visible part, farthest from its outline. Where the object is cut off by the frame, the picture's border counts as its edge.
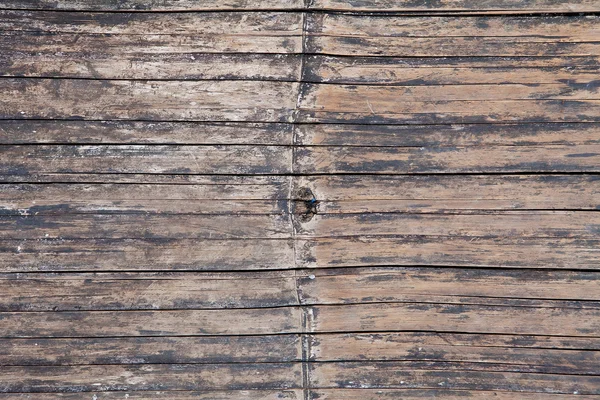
(290, 394)
(421, 284)
(515, 252)
(451, 71)
(260, 321)
(521, 224)
(139, 132)
(145, 159)
(158, 377)
(448, 159)
(455, 135)
(455, 318)
(399, 375)
(446, 394)
(503, 6)
(146, 291)
(258, 197)
(153, 5)
(157, 100)
(136, 226)
(434, 193)
(78, 255)
(156, 350)
(519, 351)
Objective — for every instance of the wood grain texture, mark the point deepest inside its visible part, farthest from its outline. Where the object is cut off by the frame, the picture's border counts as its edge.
(505, 6)
(411, 375)
(152, 377)
(139, 291)
(513, 252)
(414, 71)
(146, 350)
(157, 100)
(291, 394)
(145, 159)
(446, 394)
(434, 193)
(145, 254)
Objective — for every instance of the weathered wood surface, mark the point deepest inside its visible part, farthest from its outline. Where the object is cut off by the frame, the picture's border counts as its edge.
(299, 200)
(389, 5)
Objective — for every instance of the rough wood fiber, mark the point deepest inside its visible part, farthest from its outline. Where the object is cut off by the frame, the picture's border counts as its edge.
(424, 224)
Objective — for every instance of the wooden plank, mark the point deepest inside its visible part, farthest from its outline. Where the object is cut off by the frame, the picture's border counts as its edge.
(544, 353)
(447, 104)
(137, 226)
(450, 71)
(157, 65)
(422, 284)
(228, 24)
(145, 159)
(434, 193)
(360, 35)
(140, 132)
(450, 159)
(156, 350)
(215, 198)
(145, 255)
(455, 318)
(503, 6)
(157, 377)
(251, 101)
(522, 224)
(152, 5)
(514, 252)
(291, 394)
(409, 375)
(81, 324)
(446, 394)
(455, 135)
(146, 291)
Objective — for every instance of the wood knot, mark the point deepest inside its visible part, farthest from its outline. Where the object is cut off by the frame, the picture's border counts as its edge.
(305, 204)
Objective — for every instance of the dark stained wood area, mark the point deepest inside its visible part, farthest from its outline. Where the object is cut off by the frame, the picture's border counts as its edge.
(299, 199)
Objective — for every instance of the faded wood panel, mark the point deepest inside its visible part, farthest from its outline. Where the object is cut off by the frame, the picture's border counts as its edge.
(433, 193)
(360, 35)
(504, 6)
(455, 318)
(81, 324)
(450, 70)
(469, 318)
(521, 224)
(140, 132)
(412, 376)
(447, 104)
(228, 24)
(238, 197)
(156, 350)
(520, 352)
(448, 159)
(414, 394)
(145, 159)
(147, 291)
(137, 226)
(145, 255)
(516, 252)
(290, 394)
(455, 135)
(153, 5)
(251, 101)
(157, 377)
(452, 285)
